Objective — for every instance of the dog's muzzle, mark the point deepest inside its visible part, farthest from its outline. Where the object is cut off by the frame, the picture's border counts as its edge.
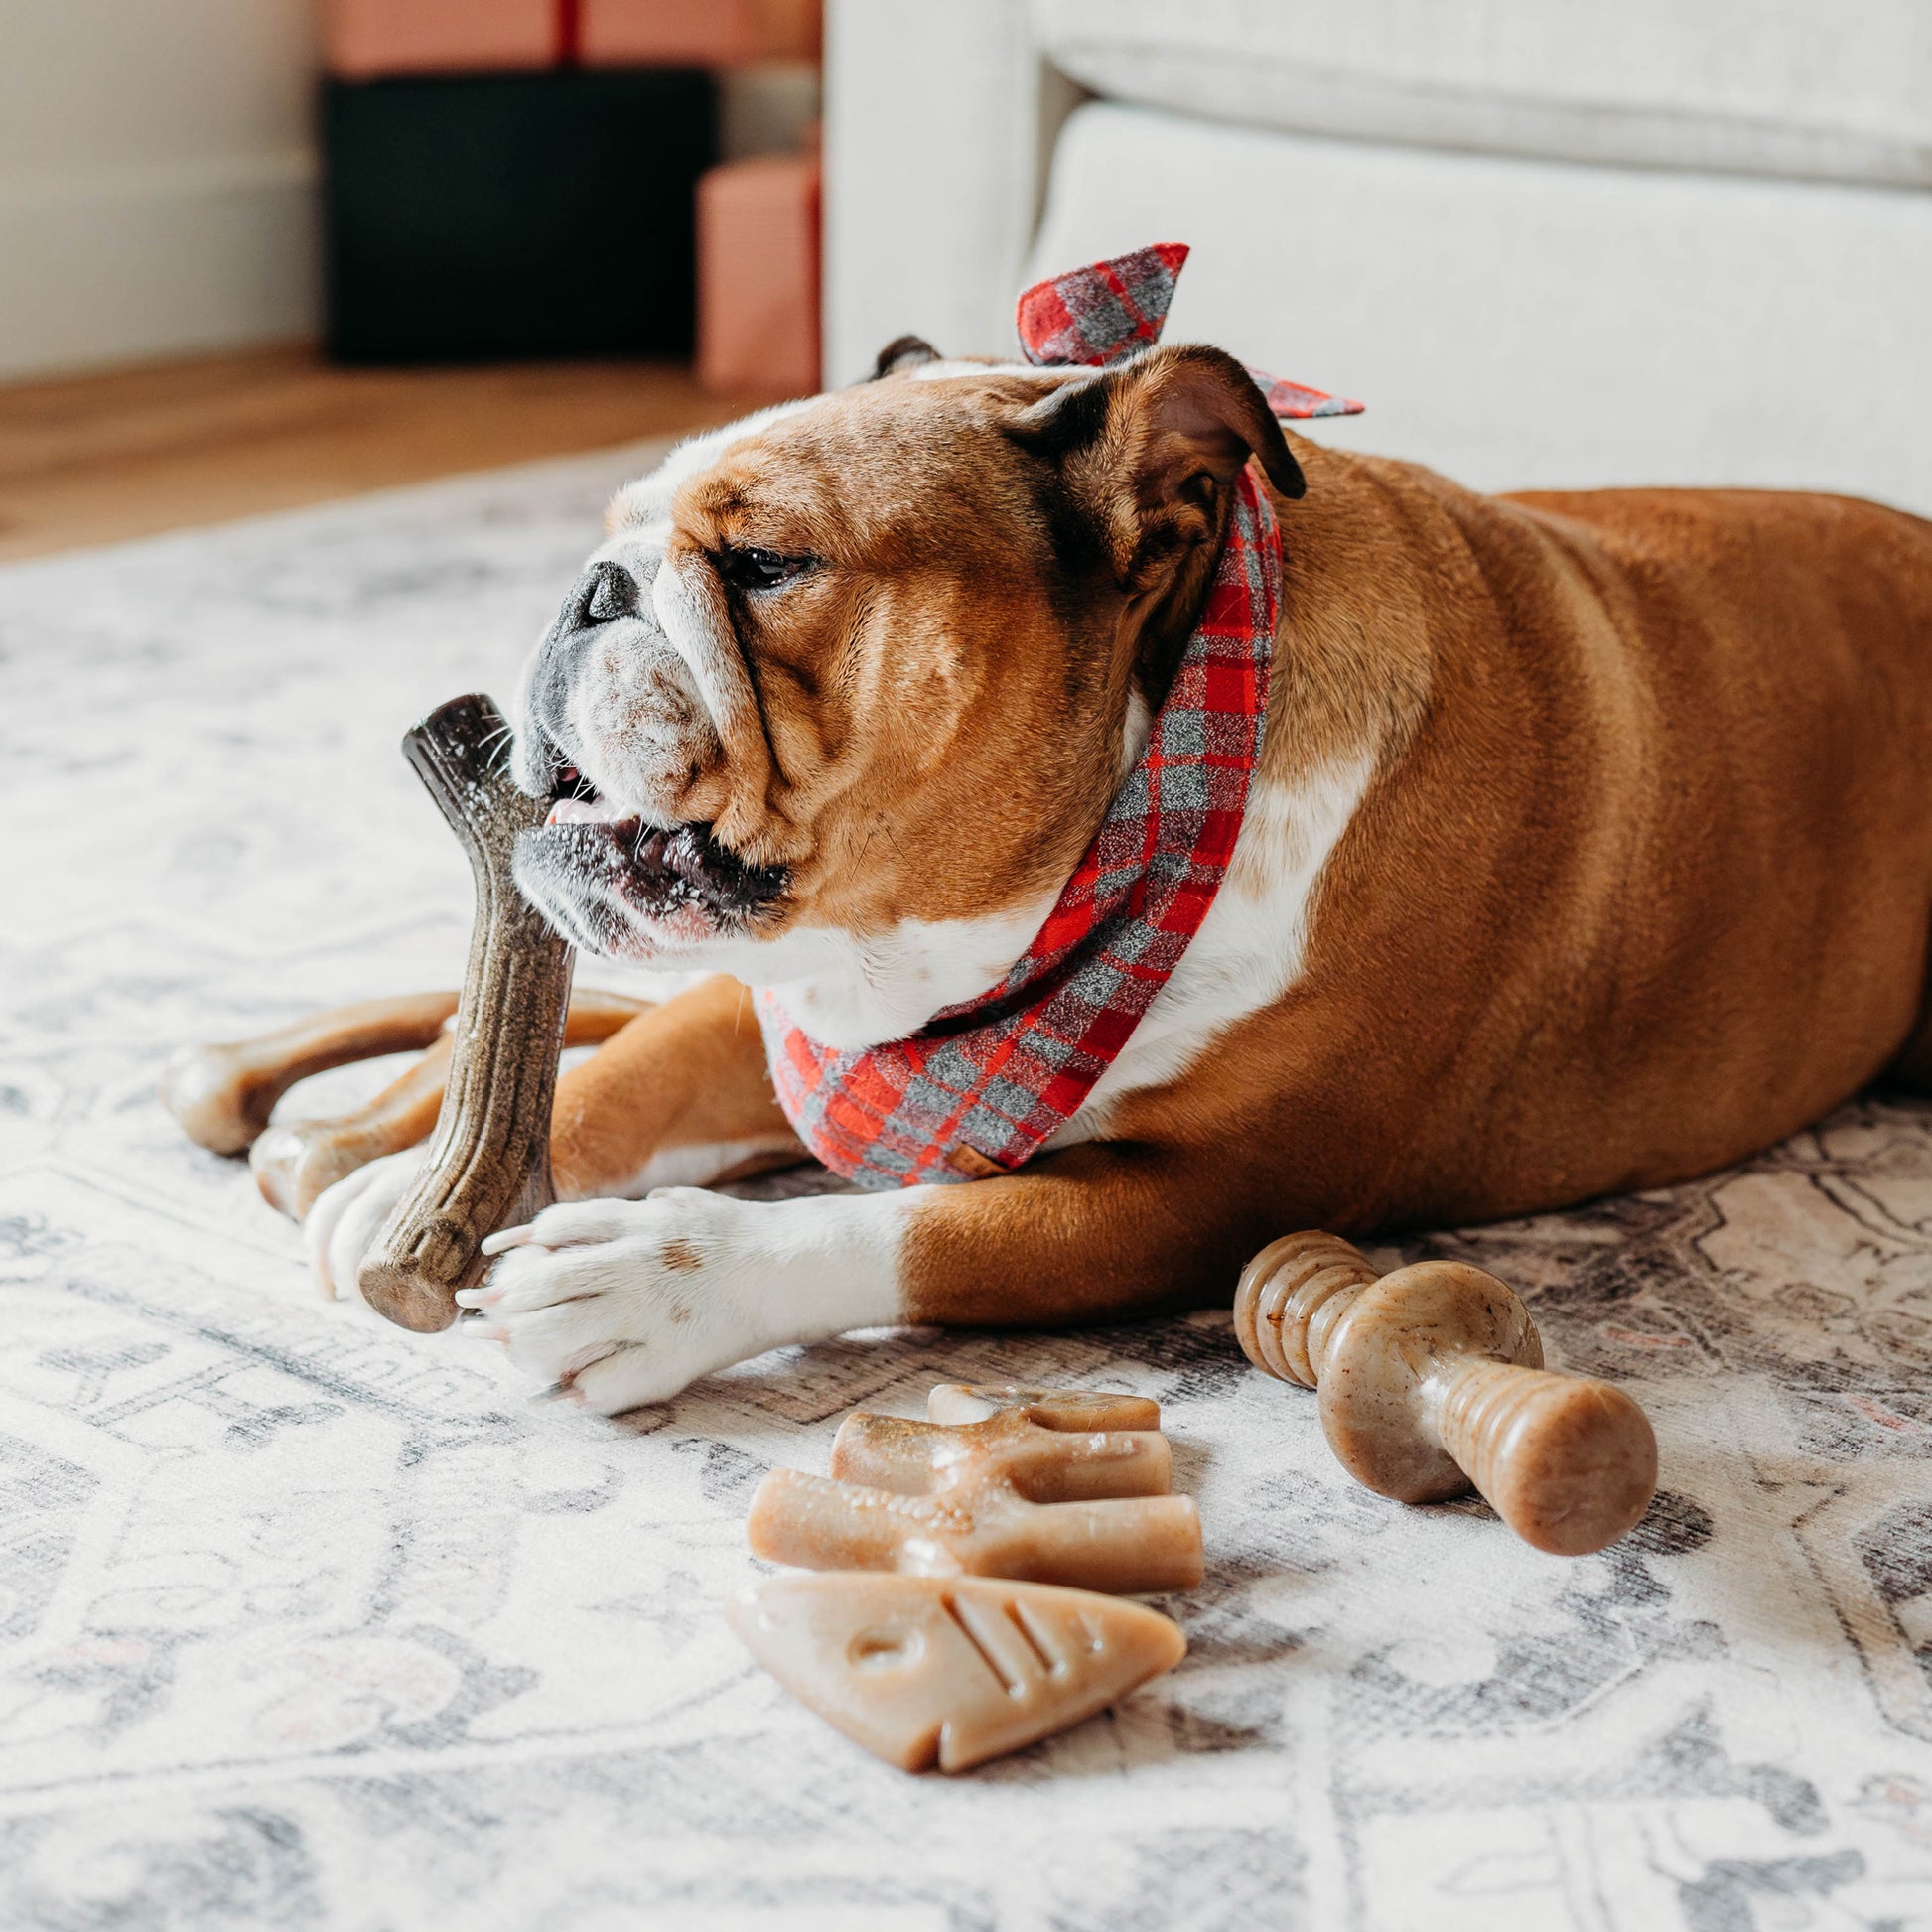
(600, 869)
(547, 743)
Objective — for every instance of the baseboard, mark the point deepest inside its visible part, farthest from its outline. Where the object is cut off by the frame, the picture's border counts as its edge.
(199, 256)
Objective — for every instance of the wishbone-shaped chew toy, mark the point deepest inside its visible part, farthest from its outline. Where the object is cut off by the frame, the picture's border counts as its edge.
(1038, 1489)
(1047, 1446)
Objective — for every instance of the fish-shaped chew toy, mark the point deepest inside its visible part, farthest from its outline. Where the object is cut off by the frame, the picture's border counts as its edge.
(952, 1671)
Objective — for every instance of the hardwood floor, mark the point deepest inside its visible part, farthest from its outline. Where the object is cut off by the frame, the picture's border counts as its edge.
(95, 459)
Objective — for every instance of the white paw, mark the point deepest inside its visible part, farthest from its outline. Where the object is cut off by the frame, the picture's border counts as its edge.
(622, 1303)
(347, 1218)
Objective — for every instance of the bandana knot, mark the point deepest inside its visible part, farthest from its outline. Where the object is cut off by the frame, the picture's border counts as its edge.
(1106, 311)
(983, 1086)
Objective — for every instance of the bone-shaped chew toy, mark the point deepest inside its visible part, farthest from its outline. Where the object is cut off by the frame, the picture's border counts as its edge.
(488, 1164)
(294, 1161)
(921, 1670)
(223, 1094)
(1042, 1487)
(1431, 1379)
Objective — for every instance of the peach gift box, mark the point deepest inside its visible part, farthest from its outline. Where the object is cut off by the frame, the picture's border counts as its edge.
(758, 276)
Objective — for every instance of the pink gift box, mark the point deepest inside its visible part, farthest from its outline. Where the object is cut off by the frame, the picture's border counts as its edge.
(758, 276)
(363, 39)
(697, 32)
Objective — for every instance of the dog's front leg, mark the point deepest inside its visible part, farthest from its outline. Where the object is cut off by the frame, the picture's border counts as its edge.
(679, 1097)
(627, 1302)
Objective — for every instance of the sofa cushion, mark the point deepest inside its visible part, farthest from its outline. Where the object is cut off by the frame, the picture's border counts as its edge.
(1832, 89)
(1525, 324)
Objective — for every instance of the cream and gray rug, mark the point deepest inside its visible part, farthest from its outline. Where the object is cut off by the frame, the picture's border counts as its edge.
(310, 1622)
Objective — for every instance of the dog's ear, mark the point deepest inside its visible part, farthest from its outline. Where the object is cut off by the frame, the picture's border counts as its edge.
(1149, 449)
(903, 352)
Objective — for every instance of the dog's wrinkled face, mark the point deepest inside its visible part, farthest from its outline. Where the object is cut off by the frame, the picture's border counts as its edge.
(867, 659)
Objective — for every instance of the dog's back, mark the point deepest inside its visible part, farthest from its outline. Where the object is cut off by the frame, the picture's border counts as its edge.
(1648, 886)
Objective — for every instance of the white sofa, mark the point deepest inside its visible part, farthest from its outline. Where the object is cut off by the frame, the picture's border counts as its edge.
(1548, 242)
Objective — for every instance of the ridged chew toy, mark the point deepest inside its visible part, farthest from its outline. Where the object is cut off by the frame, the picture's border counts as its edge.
(1431, 1380)
(488, 1164)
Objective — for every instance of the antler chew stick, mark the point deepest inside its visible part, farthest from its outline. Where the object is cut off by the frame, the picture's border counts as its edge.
(1432, 1379)
(294, 1161)
(489, 1162)
(223, 1094)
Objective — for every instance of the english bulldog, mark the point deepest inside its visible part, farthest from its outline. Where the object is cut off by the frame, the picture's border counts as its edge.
(1246, 835)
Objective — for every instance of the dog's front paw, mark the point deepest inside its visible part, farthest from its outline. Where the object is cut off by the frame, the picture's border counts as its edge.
(622, 1303)
(343, 1224)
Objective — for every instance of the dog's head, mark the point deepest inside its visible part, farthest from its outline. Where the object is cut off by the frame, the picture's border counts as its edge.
(877, 657)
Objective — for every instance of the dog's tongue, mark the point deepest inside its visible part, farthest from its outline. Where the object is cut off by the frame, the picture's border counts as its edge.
(586, 811)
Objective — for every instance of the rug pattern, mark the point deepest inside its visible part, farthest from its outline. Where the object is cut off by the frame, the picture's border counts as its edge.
(309, 1622)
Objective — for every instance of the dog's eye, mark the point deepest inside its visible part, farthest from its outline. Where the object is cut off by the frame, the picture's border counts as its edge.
(751, 569)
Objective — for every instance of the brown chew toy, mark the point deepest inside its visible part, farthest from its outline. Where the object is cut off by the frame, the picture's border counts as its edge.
(488, 1165)
(222, 1095)
(1432, 1379)
(294, 1161)
(923, 1671)
(1047, 1486)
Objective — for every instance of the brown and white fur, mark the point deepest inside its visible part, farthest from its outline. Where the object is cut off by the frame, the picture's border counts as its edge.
(1590, 848)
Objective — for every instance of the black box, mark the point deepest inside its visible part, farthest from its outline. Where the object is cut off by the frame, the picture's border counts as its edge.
(515, 214)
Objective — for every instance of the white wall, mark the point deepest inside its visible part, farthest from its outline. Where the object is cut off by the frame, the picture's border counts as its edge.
(157, 178)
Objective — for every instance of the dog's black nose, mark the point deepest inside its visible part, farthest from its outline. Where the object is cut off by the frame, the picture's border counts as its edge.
(604, 592)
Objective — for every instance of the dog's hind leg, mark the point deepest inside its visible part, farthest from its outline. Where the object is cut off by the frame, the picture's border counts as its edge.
(678, 1097)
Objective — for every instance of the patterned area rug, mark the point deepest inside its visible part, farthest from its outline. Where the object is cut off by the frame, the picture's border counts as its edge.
(311, 1622)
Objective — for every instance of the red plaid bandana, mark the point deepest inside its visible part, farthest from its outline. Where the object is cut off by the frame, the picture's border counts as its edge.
(982, 1086)
(1102, 313)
